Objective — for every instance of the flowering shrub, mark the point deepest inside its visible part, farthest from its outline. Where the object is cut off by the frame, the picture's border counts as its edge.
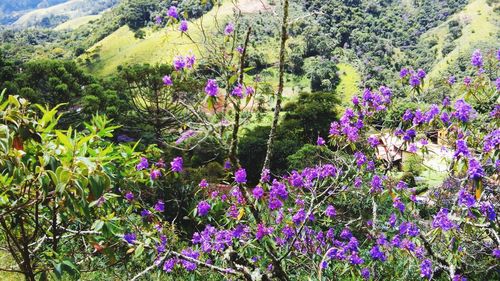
(352, 216)
(304, 224)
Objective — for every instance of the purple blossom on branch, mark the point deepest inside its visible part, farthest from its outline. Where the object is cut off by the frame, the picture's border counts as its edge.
(211, 88)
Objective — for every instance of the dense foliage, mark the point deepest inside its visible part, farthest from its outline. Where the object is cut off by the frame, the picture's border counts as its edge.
(398, 183)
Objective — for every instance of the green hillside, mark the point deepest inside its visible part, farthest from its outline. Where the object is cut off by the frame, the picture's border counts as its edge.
(122, 48)
(77, 22)
(480, 24)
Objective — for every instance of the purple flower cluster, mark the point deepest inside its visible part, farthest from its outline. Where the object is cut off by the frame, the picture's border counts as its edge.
(240, 176)
(477, 59)
(203, 208)
(211, 88)
(176, 164)
(181, 62)
(172, 12)
(143, 164)
(426, 269)
(442, 220)
(463, 111)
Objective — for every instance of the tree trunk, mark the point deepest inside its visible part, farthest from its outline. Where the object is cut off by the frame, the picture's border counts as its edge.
(279, 94)
(233, 157)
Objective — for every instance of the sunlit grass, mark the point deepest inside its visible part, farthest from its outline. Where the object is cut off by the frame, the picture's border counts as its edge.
(349, 82)
(158, 46)
(478, 19)
(77, 22)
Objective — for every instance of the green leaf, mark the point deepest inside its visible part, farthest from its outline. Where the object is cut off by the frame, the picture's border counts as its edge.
(4, 139)
(97, 225)
(138, 251)
(71, 266)
(65, 140)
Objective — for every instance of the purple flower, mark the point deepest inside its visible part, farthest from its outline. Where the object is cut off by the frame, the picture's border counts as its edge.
(385, 91)
(497, 84)
(398, 204)
(421, 74)
(452, 80)
(262, 231)
(496, 253)
(184, 136)
(426, 269)
(463, 111)
(203, 183)
(237, 91)
(129, 196)
(334, 129)
(477, 59)
(465, 198)
(392, 220)
(169, 264)
(445, 117)
(240, 176)
(320, 141)
(190, 266)
(179, 63)
(145, 213)
(365, 273)
(408, 115)
(176, 164)
(442, 221)
(155, 174)
(355, 259)
(446, 102)
(355, 101)
(265, 176)
(330, 211)
(240, 49)
(172, 12)
(229, 29)
(211, 88)
(459, 277)
(183, 27)
(130, 238)
(401, 185)
(488, 210)
(376, 184)
(158, 20)
(409, 135)
(467, 81)
(346, 234)
(258, 192)
(167, 81)
(203, 208)
(414, 81)
(143, 164)
(475, 170)
(377, 254)
(358, 182)
(360, 158)
(249, 90)
(373, 141)
(299, 217)
(404, 72)
(160, 206)
(190, 60)
(462, 149)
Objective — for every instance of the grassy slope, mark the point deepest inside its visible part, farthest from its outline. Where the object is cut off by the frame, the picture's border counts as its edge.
(73, 9)
(77, 22)
(349, 82)
(480, 24)
(121, 48)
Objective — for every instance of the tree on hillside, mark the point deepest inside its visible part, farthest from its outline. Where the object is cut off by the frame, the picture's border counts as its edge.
(153, 102)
